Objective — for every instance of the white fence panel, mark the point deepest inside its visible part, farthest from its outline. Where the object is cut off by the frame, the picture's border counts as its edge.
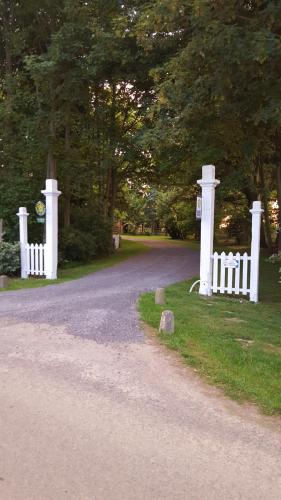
(35, 259)
(231, 273)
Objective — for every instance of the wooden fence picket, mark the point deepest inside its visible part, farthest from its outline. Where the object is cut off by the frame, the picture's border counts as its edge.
(245, 274)
(215, 272)
(222, 277)
(237, 275)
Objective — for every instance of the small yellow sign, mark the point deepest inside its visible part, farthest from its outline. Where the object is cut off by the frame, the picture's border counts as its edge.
(40, 208)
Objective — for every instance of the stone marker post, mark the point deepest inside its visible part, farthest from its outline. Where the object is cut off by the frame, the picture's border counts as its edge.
(256, 212)
(4, 280)
(51, 253)
(208, 184)
(160, 296)
(22, 215)
(167, 322)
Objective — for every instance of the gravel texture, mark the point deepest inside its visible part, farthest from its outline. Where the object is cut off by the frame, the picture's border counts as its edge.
(102, 306)
(121, 418)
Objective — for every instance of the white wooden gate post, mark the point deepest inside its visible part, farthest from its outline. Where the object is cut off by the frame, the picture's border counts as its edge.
(22, 215)
(208, 184)
(256, 212)
(51, 248)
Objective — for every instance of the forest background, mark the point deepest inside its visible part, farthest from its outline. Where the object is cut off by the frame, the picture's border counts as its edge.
(123, 101)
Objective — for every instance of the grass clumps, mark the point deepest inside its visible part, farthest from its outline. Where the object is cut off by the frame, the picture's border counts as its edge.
(232, 343)
(76, 270)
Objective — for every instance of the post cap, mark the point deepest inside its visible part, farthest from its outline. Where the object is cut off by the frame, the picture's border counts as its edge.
(208, 172)
(257, 209)
(22, 211)
(208, 176)
(51, 187)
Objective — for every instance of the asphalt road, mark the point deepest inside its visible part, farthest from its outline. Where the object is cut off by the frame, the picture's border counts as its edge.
(90, 409)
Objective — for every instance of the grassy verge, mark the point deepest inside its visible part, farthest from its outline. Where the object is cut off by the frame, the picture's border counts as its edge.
(230, 342)
(193, 244)
(75, 271)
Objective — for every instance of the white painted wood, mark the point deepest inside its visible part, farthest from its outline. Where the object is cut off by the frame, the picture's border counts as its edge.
(44, 258)
(35, 259)
(229, 274)
(36, 266)
(256, 212)
(27, 258)
(222, 277)
(208, 184)
(116, 239)
(51, 250)
(41, 265)
(32, 258)
(22, 215)
(215, 272)
(244, 278)
(245, 274)
(237, 275)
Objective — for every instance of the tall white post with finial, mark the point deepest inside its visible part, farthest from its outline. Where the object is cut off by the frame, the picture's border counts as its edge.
(256, 212)
(208, 184)
(23, 215)
(51, 248)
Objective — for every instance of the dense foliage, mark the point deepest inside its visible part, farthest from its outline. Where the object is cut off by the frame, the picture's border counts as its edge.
(118, 99)
(9, 258)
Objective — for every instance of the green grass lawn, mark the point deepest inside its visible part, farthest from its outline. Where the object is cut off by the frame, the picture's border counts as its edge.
(231, 342)
(75, 271)
(193, 244)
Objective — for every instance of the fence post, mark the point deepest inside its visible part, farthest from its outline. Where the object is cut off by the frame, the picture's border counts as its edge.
(51, 254)
(22, 215)
(256, 212)
(208, 184)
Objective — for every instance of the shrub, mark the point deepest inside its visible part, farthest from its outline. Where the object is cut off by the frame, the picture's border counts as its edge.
(276, 258)
(76, 245)
(102, 232)
(9, 258)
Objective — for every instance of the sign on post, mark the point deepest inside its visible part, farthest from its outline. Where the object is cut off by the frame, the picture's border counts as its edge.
(198, 208)
(231, 262)
(40, 210)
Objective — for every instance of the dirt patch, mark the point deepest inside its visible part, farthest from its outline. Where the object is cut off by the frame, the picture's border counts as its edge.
(235, 320)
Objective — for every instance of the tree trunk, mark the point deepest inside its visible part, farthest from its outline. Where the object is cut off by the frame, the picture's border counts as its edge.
(266, 216)
(112, 171)
(51, 163)
(66, 193)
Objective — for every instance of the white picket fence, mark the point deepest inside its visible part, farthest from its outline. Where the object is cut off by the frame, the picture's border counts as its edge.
(35, 259)
(231, 273)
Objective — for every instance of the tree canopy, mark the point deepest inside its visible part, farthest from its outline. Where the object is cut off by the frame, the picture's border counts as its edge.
(119, 97)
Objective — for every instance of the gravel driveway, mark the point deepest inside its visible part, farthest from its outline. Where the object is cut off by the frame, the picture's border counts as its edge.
(92, 410)
(101, 306)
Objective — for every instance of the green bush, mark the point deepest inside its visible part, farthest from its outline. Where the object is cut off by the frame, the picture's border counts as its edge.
(276, 258)
(9, 258)
(76, 245)
(102, 232)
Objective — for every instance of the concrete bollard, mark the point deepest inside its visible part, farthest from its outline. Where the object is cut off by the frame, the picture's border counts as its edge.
(167, 322)
(160, 296)
(4, 281)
